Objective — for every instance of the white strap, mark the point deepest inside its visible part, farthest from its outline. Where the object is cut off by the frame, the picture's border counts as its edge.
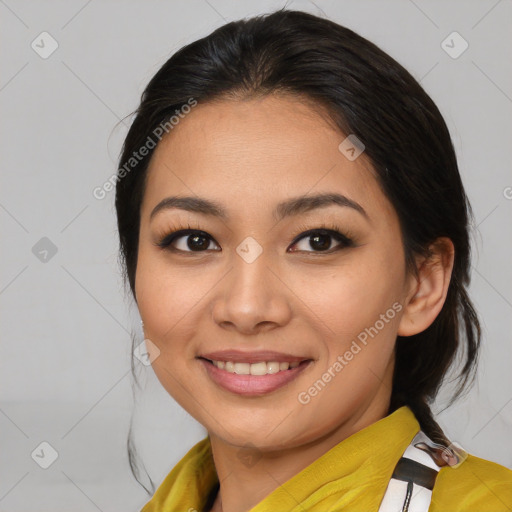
(395, 497)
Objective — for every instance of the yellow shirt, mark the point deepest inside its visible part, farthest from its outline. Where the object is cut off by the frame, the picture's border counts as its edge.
(351, 476)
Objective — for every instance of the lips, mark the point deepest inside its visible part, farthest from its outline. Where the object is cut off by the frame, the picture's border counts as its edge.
(288, 367)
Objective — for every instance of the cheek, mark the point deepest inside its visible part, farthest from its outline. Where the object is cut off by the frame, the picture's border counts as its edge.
(164, 296)
(351, 297)
(166, 300)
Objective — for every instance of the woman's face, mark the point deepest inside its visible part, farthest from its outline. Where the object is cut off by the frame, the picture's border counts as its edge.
(254, 286)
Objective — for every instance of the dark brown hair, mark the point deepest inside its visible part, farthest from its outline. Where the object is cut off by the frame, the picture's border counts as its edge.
(366, 93)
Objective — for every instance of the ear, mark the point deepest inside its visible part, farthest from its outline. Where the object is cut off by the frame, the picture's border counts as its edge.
(427, 292)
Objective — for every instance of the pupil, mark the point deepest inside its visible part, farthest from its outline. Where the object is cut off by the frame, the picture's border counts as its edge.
(321, 242)
(197, 242)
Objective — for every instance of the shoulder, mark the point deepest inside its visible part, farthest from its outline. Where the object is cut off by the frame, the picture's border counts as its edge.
(187, 486)
(476, 485)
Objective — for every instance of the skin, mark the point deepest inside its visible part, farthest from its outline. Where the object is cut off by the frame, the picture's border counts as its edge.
(249, 155)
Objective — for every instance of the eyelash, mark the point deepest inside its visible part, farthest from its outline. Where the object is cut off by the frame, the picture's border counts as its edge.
(344, 237)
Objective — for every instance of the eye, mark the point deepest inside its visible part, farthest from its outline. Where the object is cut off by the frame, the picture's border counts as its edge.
(187, 240)
(322, 240)
(319, 240)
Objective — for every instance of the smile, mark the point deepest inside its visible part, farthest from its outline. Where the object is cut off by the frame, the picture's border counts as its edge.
(253, 379)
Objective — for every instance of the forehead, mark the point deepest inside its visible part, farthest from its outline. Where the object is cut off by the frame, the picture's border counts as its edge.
(264, 148)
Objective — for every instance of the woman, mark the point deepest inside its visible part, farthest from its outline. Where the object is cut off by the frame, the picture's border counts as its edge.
(294, 231)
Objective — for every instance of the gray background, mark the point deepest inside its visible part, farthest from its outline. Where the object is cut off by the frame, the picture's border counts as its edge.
(66, 320)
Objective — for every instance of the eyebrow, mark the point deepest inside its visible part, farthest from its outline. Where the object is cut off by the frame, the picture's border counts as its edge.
(288, 208)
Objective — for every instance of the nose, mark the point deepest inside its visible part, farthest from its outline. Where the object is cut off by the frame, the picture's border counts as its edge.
(252, 298)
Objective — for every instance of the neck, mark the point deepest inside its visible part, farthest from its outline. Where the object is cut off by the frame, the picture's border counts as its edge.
(247, 476)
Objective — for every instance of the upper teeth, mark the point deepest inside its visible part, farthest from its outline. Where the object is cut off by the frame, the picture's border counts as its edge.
(261, 368)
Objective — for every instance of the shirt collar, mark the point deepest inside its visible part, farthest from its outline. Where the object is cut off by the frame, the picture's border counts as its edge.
(353, 474)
